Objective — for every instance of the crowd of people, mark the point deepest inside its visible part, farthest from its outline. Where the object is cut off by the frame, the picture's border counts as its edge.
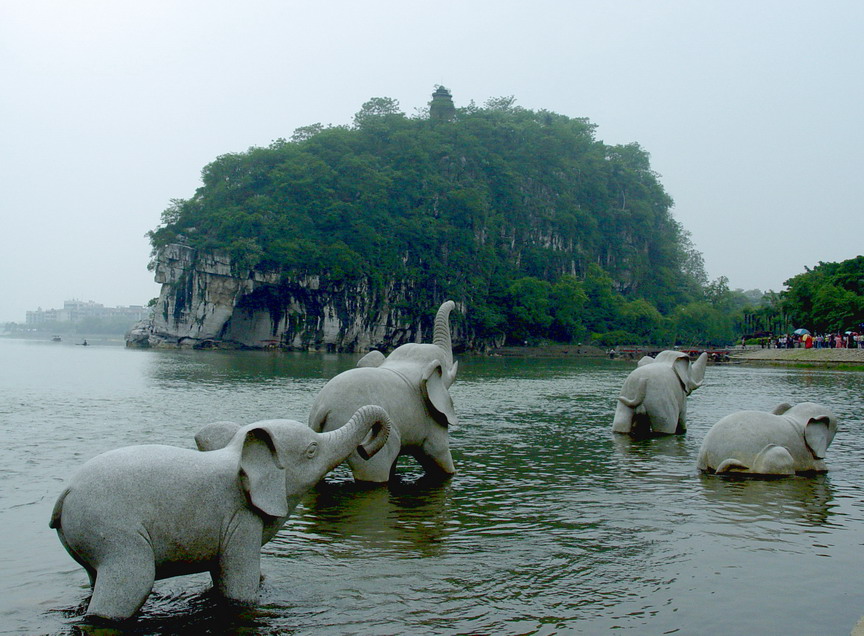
(848, 340)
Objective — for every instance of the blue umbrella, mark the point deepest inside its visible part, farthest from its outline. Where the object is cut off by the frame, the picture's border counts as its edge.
(800, 332)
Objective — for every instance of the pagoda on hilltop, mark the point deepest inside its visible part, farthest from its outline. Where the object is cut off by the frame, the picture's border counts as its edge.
(441, 108)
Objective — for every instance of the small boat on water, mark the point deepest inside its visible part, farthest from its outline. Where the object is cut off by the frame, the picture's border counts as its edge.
(56, 338)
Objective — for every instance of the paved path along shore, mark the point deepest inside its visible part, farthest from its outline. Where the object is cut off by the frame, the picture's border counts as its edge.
(818, 357)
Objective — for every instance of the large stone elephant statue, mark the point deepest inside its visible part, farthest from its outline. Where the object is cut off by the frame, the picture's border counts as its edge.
(788, 440)
(140, 513)
(412, 384)
(653, 399)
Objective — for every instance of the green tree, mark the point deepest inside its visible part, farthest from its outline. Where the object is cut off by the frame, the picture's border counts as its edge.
(567, 300)
(529, 308)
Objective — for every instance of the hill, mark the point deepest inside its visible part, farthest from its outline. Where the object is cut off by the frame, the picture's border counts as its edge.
(535, 227)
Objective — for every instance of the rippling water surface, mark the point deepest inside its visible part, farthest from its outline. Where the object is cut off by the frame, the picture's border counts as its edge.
(552, 524)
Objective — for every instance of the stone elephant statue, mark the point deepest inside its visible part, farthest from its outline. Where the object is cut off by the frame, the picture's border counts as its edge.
(412, 384)
(788, 440)
(140, 513)
(653, 399)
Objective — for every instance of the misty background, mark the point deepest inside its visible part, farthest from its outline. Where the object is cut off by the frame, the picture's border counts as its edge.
(751, 113)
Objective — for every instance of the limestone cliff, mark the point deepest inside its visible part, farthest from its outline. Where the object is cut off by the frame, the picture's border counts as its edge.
(204, 303)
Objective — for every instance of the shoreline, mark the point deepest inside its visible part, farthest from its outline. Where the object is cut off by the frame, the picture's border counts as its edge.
(833, 358)
(802, 357)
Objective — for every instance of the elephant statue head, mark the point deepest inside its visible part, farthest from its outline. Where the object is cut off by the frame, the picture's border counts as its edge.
(413, 385)
(141, 513)
(788, 440)
(653, 399)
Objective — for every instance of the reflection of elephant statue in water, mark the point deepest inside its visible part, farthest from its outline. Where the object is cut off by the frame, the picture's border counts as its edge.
(789, 440)
(412, 385)
(407, 517)
(141, 513)
(654, 396)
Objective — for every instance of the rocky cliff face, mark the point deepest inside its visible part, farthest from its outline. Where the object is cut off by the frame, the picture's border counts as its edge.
(203, 303)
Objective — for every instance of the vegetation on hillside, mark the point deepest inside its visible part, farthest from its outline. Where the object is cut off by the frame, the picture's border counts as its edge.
(542, 230)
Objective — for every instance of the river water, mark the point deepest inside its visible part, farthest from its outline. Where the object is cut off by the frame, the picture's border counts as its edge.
(552, 524)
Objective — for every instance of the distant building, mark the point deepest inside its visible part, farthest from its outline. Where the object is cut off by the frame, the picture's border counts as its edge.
(75, 311)
(441, 108)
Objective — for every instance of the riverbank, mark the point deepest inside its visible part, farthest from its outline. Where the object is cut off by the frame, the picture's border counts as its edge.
(550, 351)
(802, 357)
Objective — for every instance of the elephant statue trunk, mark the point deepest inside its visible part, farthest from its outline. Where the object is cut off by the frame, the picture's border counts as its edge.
(441, 333)
(367, 431)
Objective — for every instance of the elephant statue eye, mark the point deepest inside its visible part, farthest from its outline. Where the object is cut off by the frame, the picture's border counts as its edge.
(311, 450)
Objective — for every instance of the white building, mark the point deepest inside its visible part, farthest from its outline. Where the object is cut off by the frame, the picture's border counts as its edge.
(74, 311)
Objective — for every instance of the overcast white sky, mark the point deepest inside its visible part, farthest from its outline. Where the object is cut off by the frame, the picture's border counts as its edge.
(753, 113)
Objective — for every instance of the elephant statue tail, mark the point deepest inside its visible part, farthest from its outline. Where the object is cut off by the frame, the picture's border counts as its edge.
(441, 334)
(635, 393)
(58, 511)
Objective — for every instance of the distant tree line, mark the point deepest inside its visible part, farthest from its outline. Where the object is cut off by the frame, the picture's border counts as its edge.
(827, 298)
(543, 231)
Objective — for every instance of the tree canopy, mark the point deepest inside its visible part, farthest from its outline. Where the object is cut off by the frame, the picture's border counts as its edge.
(827, 298)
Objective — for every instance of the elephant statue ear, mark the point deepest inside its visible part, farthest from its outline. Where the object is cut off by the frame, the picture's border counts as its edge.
(780, 409)
(450, 376)
(436, 395)
(262, 474)
(644, 360)
(691, 375)
(818, 434)
(681, 366)
(216, 435)
(371, 359)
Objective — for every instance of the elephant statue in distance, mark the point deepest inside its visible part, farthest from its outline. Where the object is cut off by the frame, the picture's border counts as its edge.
(412, 384)
(788, 440)
(140, 513)
(653, 400)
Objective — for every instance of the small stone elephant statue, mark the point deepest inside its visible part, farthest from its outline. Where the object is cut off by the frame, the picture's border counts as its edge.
(789, 440)
(140, 513)
(653, 400)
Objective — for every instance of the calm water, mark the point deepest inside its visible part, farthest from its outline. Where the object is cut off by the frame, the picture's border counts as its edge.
(551, 525)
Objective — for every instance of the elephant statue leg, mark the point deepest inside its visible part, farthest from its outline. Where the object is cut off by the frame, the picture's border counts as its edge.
(435, 456)
(774, 460)
(623, 421)
(377, 469)
(238, 574)
(682, 419)
(123, 580)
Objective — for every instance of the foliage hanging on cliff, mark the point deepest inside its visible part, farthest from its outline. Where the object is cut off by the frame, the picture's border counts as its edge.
(540, 228)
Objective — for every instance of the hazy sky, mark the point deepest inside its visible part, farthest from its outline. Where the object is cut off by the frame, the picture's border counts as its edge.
(752, 113)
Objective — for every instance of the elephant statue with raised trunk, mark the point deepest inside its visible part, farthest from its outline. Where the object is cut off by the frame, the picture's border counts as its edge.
(412, 384)
(141, 513)
(653, 400)
(788, 440)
